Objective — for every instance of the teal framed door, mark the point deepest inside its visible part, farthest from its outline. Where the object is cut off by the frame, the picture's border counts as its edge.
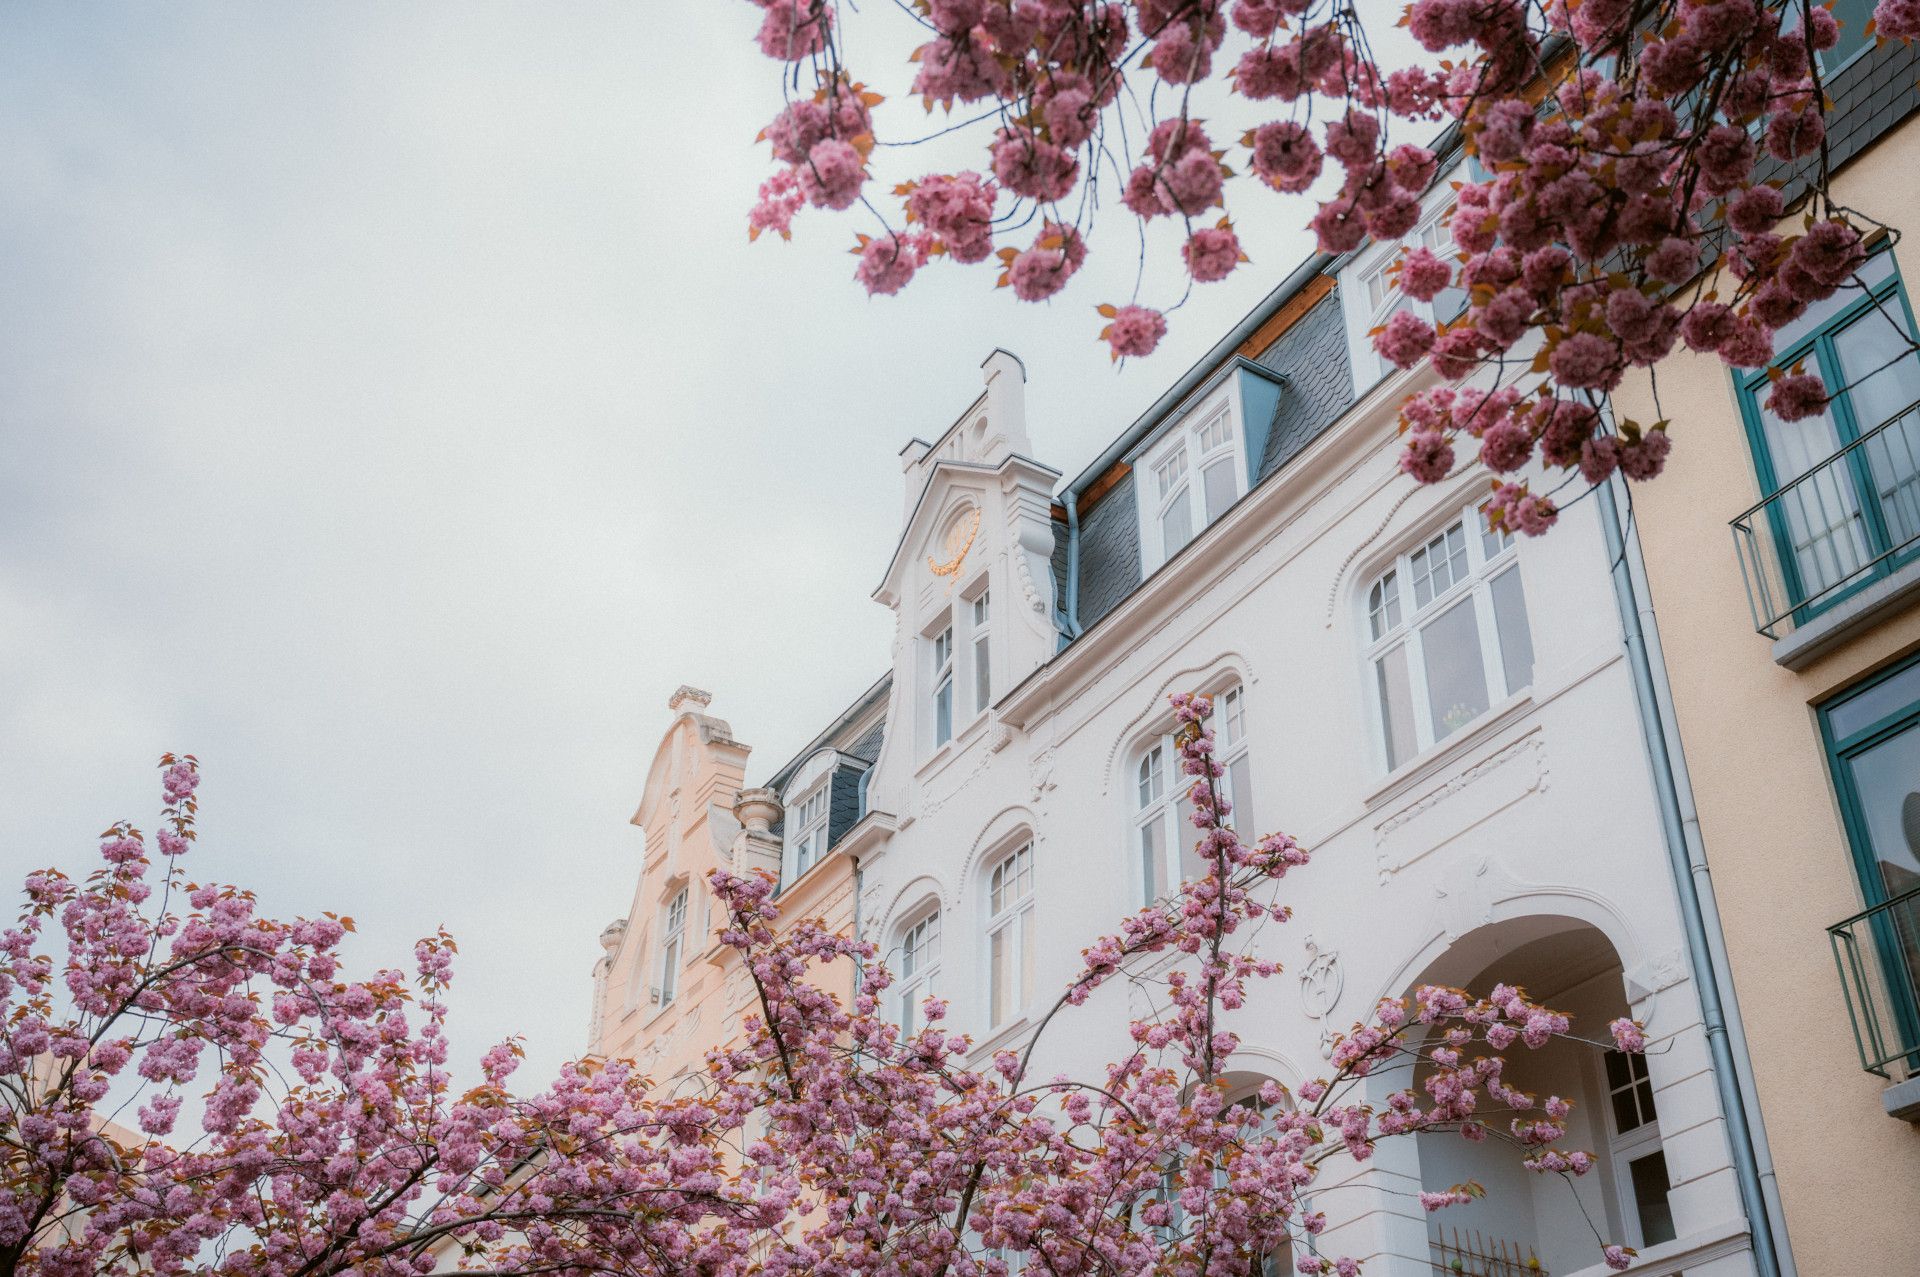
(1845, 485)
(1872, 738)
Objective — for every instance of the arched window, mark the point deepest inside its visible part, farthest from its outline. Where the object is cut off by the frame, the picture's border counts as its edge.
(1010, 937)
(1447, 635)
(919, 967)
(673, 946)
(1163, 831)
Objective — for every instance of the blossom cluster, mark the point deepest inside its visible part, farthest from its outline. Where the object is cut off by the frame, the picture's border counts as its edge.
(1635, 162)
(823, 1139)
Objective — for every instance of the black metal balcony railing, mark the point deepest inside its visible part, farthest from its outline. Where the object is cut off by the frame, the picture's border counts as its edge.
(1841, 524)
(1878, 953)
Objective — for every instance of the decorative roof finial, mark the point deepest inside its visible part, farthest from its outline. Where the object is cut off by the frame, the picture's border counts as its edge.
(686, 695)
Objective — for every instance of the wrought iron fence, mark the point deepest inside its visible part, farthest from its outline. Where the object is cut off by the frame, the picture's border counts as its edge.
(1878, 953)
(1833, 528)
(1469, 1254)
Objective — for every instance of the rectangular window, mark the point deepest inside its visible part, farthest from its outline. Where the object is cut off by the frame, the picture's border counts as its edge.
(673, 940)
(943, 687)
(1843, 486)
(1872, 735)
(982, 654)
(808, 825)
(1447, 636)
(1193, 477)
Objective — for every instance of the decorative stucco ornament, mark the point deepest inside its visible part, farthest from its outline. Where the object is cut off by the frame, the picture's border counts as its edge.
(1321, 982)
(960, 537)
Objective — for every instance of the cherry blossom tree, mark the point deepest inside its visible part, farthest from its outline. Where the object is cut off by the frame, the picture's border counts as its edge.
(1635, 160)
(194, 1088)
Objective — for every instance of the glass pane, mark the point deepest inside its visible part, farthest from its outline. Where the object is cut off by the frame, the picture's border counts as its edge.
(1170, 472)
(1893, 457)
(1150, 777)
(1234, 716)
(1853, 16)
(1618, 1070)
(1396, 706)
(982, 675)
(1880, 368)
(1626, 1116)
(909, 1007)
(1217, 482)
(1001, 980)
(1492, 540)
(1176, 525)
(1153, 860)
(1886, 782)
(1883, 700)
(1819, 517)
(1456, 679)
(1883, 375)
(1510, 620)
(1649, 1175)
(1240, 791)
(943, 713)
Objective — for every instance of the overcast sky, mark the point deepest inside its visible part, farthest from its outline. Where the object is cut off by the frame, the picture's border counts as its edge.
(393, 413)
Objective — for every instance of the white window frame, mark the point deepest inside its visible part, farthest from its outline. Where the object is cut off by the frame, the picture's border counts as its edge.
(940, 696)
(960, 642)
(1210, 436)
(673, 945)
(1625, 1148)
(807, 827)
(1392, 617)
(1161, 822)
(1009, 930)
(1370, 299)
(980, 647)
(919, 949)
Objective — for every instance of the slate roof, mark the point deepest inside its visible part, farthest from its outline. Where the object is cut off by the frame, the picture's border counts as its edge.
(1312, 355)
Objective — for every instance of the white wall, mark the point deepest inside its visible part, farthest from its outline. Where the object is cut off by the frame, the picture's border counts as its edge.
(1543, 807)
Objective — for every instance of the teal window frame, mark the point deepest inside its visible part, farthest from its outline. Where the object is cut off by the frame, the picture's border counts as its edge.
(1840, 752)
(1818, 351)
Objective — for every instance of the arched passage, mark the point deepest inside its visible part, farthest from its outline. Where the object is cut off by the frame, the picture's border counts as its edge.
(1572, 967)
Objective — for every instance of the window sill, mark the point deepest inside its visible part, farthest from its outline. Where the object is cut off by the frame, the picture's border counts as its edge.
(1001, 1038)
(1847, 618)
(1423, 766)
(954, 746)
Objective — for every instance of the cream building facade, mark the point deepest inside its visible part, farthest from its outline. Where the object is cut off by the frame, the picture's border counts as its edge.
(1790, 680)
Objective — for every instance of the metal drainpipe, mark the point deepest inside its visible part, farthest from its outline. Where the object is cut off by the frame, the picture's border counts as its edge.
(1073, 564)
(1700, 917)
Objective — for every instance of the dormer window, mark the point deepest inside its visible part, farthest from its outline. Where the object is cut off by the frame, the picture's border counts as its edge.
(807, 829)
(1191, 477)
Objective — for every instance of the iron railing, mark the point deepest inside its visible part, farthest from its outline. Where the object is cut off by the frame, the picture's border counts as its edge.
(1833, 528)
(1878, 953)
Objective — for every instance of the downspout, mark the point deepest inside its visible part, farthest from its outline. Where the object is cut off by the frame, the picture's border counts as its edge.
(1073, 564)
(1700, 917)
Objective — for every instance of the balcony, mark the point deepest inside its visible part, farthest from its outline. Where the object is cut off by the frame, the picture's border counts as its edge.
(1835, 531)
(1878, 953)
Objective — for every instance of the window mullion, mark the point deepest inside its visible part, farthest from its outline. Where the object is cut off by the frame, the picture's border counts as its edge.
(1417, 685)
(1492, 662)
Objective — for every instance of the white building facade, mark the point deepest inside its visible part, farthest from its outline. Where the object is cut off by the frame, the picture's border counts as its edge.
(1445, 718)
